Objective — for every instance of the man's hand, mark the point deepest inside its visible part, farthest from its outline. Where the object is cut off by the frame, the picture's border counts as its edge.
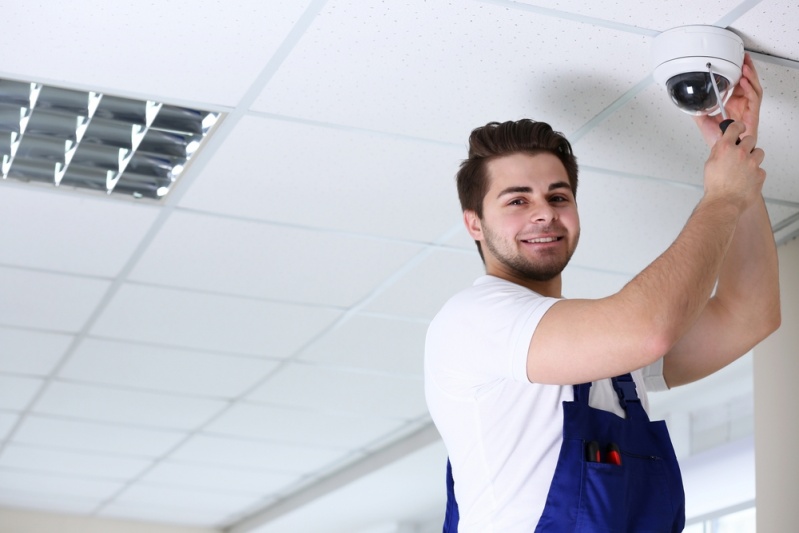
(743, 106)
(732, 172)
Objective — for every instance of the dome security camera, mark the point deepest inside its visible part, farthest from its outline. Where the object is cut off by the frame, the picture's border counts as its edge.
(684, 58)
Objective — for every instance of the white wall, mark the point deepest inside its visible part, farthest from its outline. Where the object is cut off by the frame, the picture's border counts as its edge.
(19, 521)
(776, 382)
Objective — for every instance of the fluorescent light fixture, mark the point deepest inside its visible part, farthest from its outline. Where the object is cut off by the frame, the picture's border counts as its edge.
(96, 141)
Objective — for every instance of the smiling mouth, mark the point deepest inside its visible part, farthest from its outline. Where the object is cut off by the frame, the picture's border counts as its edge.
(542, 240)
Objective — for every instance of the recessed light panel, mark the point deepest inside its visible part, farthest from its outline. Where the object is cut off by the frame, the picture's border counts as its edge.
(96, 141)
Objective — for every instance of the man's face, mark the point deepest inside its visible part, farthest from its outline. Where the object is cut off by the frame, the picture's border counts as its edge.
(530, 226)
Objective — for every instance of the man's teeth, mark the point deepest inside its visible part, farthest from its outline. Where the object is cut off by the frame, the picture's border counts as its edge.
(544, 239)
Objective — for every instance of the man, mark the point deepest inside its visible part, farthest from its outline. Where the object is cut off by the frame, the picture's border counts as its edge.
(503, 356)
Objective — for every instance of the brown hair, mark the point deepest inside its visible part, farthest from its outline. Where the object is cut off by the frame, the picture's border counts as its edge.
(499, 139)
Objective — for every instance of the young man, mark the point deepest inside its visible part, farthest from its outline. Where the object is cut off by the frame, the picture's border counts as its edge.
(503, 356)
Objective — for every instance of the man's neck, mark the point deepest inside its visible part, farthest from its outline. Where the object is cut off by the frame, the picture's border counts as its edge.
(551, 288)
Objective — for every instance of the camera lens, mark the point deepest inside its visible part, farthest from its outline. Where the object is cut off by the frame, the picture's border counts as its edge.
(693, 91)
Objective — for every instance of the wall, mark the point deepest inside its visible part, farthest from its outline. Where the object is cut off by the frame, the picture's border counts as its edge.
(19, 521)
(776, 391)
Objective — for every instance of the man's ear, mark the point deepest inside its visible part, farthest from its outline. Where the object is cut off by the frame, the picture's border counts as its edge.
(473, 224)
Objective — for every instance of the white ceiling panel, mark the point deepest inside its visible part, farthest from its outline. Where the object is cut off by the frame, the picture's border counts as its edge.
(212, 450)
(437, 69)
(34, 305)
(656, 16)
(17, 392)
(90, 465)
(624, 236)
(211, 322)
(374, 343)
(770, 27)
(46, 224)
(304, 385)
(28, 352)
(422, 291)
(197, 50)
(94, 437)
(300, 426)
(232, 480)
(57, 485)
(7, 421)
(164, 369)
(351, 181)
(126, 407)
(268, 261)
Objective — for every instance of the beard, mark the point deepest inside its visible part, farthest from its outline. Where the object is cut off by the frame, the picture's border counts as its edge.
(547, 266)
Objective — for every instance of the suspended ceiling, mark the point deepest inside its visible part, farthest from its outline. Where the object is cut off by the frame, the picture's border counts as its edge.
(240, 353)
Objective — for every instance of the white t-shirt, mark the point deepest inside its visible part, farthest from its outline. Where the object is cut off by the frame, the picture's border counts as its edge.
(503, 433)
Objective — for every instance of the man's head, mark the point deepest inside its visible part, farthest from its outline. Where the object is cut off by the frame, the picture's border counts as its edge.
(495, 140)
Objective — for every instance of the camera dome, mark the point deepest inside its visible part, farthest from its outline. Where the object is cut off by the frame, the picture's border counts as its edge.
(681, 57)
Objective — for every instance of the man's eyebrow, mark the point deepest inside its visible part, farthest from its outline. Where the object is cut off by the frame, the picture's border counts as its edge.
(524, 189)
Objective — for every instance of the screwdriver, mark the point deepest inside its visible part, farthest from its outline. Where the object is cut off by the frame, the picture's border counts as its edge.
(727, 121)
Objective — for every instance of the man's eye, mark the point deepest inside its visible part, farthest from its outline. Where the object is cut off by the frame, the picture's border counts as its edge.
(558, 199)
(516, 201)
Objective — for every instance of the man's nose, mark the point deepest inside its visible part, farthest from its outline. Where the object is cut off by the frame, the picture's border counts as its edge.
(543, 212)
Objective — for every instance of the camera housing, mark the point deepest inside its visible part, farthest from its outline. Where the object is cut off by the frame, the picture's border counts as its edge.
(681, 57)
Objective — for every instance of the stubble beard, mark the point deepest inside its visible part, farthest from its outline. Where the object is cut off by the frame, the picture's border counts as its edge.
(546, 268)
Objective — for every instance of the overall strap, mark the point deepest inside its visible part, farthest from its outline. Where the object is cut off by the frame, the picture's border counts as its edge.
(628, 396)
(581, 392)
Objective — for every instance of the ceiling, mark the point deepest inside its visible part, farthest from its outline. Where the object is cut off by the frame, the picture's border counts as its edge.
(247, 353)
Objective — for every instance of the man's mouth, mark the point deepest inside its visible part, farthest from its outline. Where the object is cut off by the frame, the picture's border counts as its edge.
(542, 240)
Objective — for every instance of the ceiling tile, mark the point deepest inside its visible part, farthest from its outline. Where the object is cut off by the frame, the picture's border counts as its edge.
(34, 305)
(17, 392)
(353, 181)
(438, 69)
(94, 437)
(233, 480)
(300, 426)
(70, 232)
(268, 261)
(770, 28)
(657, 16)
(7, 421)
(220, 451)
(338, 390)
(56, 485)
(126, 407)
(89, 465)
(623, 235)
(164, 369)
(422, 291)
(375, 343)
(216, 50)
(210, 322)
(29, 352)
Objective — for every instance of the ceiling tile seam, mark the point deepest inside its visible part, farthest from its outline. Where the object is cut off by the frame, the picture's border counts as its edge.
(785, 223)
(593, 21)
(356, 129)
(788, 238)
(270, 441)
(61, 475)
(120, 425)
(371, 463)
(236, 296)
(315, 229)
(347, 368)
(40, 270)
(736, 13)
(609, 110)
(231, 120)
(326, 411)
(181, 348)
(775, 60)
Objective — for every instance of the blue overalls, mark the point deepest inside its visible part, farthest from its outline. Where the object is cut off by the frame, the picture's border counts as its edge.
(614, 475)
